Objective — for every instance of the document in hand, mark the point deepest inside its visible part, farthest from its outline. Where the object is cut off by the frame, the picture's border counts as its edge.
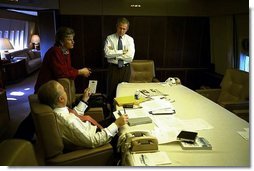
(92, 85)
(120, 101)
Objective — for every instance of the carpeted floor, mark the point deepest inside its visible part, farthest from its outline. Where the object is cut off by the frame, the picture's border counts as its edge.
(17, 95)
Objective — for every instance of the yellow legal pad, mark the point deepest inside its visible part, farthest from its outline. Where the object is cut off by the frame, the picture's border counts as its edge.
(128, 100)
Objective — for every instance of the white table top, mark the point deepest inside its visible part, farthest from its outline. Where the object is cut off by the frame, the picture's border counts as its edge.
(229, 148)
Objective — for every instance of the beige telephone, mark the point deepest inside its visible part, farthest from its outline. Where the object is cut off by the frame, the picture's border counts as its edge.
(141, 141)
(173, 80)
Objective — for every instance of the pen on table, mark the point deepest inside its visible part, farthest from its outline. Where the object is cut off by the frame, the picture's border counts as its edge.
(119, 113)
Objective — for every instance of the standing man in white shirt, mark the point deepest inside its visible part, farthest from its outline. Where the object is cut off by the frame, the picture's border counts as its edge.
(119, 50)
(76, 129)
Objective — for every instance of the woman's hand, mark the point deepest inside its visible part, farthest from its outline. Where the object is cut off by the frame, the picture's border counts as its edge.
(85, 72)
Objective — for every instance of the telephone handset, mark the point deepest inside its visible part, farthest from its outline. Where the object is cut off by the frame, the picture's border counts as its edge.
(141, 141)
(173, 80)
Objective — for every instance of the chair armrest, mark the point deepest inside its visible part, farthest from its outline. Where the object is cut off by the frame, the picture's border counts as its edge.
(235, 105)
(17, 152)
(20, 57)
(99, 156)
(155, 80)
(241, 108)
(212, 94)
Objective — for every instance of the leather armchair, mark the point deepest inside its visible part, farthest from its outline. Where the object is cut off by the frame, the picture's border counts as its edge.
(50, 145)
(17, 152)
(233, 94)
(142, 71)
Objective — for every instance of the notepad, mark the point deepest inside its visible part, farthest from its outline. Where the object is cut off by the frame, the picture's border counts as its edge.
(139, 121)
(130, 100)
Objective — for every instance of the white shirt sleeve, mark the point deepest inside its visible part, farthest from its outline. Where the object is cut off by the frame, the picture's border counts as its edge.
(82, 133)
(80, 108)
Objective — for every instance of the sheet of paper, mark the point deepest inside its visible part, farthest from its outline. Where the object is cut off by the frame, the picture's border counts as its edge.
(92, 85)
(167, 122)
(158, 104)
(245, 133)
(163, 136)
(151, 159)
(135, 113)
(196, 124)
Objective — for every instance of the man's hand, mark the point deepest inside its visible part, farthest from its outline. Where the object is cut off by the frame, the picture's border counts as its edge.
(85, 72)
(122, 120)
(86, 94)
(125, 51)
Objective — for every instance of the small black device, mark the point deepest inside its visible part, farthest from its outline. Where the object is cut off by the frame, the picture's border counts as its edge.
(187, 136)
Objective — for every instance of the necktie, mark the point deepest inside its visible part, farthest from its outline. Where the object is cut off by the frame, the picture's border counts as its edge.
(85, 118)
(120, 43)
(120, 47)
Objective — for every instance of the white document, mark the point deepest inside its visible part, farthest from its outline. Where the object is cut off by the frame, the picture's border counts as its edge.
(158, 104)
(151, 159)
(165, 136)
(136, 113)
(92, 85)
(196, 124)
(245, 134)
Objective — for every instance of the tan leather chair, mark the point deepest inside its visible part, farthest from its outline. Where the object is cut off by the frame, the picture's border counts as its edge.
(50, 145)
(142, 71)
(234, 93)
(17, 152)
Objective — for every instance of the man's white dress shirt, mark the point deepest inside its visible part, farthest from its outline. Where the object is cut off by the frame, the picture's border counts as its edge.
(111, 46)
(82, 133)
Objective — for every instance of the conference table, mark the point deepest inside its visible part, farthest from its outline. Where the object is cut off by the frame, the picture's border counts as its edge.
(229, 148)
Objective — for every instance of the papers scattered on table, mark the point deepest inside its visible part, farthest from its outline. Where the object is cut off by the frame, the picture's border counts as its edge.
(92, 85)
(135, 113)
(165, 136)
(158, 104)
(151, 92)
(151, 159)
(245, 134)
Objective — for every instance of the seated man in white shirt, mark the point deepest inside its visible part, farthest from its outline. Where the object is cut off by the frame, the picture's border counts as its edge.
(75, 131)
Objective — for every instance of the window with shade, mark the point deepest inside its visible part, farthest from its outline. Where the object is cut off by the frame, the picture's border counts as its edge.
(16, 31)
(244, 62)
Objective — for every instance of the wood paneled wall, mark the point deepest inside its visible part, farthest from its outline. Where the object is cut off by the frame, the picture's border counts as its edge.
(180, 46)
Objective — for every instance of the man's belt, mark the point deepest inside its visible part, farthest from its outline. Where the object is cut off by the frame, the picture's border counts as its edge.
(124, 65)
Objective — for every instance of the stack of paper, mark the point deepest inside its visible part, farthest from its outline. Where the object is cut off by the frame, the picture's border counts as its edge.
(128, 100)
(151, 159)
